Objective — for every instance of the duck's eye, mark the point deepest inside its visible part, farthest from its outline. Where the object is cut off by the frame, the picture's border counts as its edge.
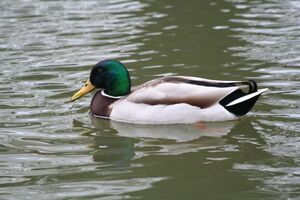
(85, 85)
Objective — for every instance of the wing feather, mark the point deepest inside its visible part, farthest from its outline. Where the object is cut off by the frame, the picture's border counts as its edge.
(180, 89)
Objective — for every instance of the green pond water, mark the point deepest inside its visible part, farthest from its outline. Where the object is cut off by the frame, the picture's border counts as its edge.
(51, 149)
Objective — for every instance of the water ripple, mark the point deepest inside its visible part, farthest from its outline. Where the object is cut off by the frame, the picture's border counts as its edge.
(272, 31)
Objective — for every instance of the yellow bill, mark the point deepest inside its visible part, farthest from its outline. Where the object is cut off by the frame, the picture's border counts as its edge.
(88, 87)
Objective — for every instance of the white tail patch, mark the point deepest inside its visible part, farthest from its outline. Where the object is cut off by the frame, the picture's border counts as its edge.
(245, 98)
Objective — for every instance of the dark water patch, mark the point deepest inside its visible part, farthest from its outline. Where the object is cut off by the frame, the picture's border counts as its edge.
(51, 86)
(3, 106)
(35, 77)
(21, 96)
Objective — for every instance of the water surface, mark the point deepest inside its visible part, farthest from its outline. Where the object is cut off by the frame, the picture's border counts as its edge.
(50, 149)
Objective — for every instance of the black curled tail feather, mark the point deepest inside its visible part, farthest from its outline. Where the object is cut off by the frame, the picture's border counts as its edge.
(252, 86)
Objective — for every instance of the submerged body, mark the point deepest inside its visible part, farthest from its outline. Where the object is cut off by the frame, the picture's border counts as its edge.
(167, 100)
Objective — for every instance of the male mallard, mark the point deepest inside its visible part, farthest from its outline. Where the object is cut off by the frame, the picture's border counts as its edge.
(166, 100)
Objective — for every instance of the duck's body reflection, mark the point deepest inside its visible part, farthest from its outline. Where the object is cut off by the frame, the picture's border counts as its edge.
(186, 154)
(143, 140)
(178, 132)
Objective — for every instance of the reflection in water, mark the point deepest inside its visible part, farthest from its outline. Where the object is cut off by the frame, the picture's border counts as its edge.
(179, 132)
(201, 151)
(167, 139)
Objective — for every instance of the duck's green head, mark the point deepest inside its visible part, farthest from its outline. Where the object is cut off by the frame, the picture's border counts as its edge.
(110, 75)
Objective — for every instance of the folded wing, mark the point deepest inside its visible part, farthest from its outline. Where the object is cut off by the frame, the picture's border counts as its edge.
(182, 89)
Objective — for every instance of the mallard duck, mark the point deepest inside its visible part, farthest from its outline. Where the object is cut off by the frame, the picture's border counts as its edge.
(166, 100)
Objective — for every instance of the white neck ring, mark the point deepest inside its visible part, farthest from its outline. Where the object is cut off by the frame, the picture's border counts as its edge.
(109, 96)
